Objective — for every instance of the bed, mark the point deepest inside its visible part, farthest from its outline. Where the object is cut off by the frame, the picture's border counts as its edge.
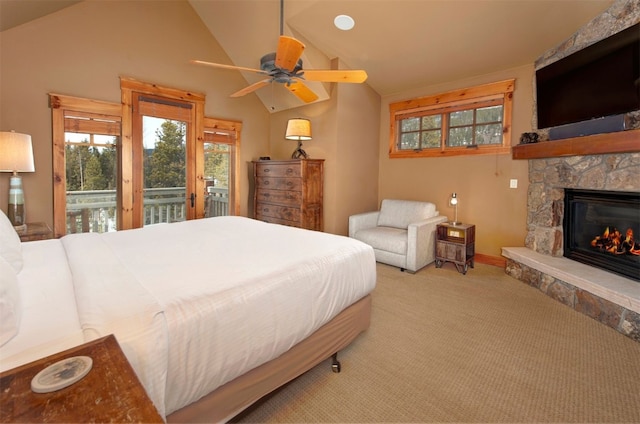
(212, 314)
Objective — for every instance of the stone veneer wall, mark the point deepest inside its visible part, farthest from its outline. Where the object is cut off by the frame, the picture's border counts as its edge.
(550, 176)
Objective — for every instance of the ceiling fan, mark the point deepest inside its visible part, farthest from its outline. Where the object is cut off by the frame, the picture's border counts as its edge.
(285, 66)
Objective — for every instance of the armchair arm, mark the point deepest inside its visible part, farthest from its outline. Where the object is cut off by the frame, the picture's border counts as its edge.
(422, 241)
(361, 221)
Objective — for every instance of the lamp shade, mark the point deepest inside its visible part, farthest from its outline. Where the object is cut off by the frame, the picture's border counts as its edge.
(16, 152)
(298, 129)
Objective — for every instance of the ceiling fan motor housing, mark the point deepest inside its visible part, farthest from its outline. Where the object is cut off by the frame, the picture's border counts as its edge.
(267, 64)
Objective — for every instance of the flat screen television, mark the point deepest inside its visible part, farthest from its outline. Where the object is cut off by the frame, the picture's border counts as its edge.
(600, 80)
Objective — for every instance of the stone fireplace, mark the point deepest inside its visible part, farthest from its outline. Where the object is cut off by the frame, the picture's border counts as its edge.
(607, 297)
(611, 299)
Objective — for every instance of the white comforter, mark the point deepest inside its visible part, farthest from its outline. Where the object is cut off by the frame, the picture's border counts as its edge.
(198, 303)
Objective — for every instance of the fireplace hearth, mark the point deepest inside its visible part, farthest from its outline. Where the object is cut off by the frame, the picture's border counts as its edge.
(602, 229)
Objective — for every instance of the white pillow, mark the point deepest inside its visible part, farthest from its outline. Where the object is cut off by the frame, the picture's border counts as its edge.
(10, 307)
(10, 246)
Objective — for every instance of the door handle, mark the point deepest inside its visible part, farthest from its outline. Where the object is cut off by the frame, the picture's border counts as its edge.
(193, 199)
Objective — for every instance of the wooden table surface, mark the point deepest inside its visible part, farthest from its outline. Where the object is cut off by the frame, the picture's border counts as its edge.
(110, 392)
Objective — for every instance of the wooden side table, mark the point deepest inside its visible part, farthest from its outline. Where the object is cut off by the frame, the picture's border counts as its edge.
(110, 392)
(455, 243)
(35, 231)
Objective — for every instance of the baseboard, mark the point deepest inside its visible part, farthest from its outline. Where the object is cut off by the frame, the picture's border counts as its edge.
(490, 260)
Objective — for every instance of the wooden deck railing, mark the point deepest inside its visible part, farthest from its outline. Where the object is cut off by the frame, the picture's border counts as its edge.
(95, 210)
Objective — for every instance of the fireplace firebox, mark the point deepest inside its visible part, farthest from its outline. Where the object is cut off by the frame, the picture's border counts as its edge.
(602, 229)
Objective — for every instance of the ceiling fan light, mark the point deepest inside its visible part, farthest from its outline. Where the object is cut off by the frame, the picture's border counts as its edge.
(344, 22)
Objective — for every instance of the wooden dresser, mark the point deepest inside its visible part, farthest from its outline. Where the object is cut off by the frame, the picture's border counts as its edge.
(289, 192)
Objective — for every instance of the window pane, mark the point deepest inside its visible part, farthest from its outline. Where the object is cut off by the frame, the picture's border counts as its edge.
(409, 141)
(431, 139)
(216, 176)
(410, 124)
(164, 170)
(91, 178)
(489, 134)
(461, 117)
(460, 136)
(489, 114)
(431, 122)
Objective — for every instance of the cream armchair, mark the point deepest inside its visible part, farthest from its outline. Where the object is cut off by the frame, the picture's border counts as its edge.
(402, 232)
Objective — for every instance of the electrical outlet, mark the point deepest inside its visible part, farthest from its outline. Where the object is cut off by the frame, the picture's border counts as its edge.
(513, 183)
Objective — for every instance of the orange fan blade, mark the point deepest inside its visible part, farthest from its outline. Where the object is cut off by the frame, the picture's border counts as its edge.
(302, 91)
(288, 53)
(327, 75)
(232, 67)
(253, 87)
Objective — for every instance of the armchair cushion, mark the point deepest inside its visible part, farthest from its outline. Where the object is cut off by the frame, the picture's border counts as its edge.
(401, 213)
(389, 239)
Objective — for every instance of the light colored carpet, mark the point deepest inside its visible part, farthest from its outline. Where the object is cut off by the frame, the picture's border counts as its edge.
(480, 347)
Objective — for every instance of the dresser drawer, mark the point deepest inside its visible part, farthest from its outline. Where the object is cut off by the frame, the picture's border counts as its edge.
(278, 170)
(294, 184)
(280, 212)
(272, 220)
(279, 197)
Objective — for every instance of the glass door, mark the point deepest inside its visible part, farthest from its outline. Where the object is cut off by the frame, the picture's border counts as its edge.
(163, 174)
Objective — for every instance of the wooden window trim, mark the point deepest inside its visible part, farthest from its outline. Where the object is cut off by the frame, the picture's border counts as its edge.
(130, 212)
(75, 114)
(235, 128)
(61, 107)
(446, 103)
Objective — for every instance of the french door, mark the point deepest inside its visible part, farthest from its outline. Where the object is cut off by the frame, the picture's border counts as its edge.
(164, 186)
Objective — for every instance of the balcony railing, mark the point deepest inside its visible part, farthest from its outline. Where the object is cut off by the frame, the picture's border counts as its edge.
(95, 210)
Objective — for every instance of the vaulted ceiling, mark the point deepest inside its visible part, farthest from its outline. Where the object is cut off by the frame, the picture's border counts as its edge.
(401, 44)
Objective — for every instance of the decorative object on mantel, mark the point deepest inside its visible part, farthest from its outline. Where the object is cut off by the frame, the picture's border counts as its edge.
(298, 129)
(453, 201)
(529, 137)
(16, 155)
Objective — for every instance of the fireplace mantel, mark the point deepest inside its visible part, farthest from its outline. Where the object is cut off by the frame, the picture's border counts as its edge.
(598, 144)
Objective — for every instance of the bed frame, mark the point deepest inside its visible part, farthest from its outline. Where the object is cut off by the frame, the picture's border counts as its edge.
(233, 397)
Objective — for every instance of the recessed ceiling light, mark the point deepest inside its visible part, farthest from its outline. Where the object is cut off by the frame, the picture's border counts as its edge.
(344, 22)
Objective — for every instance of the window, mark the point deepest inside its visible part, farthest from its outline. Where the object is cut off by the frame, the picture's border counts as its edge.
(470, 121)
(143, 161)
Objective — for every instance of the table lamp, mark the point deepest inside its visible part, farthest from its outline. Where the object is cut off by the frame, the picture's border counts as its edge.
(298, 129)
(16, 155)
(453, 201)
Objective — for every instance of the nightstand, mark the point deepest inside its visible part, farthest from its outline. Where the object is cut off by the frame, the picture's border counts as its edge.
(455, 243)
(35, 231)
(110, 392)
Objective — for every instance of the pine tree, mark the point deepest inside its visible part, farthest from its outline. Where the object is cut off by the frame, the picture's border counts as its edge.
(167, 161)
